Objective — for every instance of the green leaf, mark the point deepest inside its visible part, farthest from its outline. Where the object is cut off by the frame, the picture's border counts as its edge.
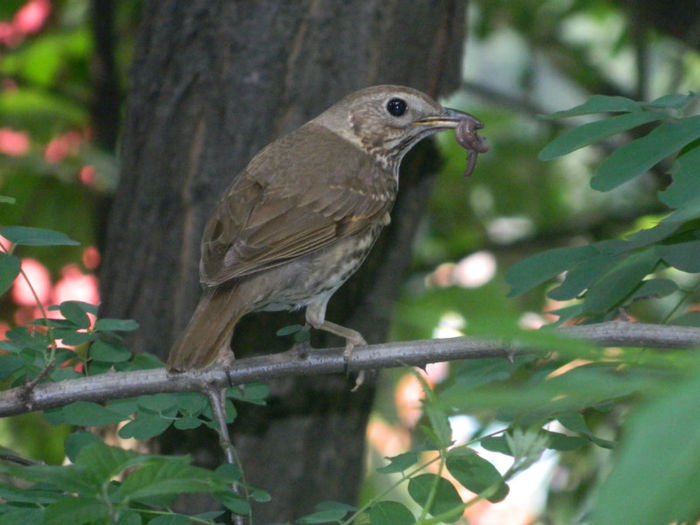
(673, 101)
(74, 312)
(563, 442)
(72, 337)
(440, 424)
(228, 472)
(476, 474)
(64, 374)
(335, 505)
(390, 513)
(166, 476)
(653, 289)
(327, 512)
(116, 325)
(664, 229)
(130, 517)
(5, 199)
(32, 494)
(288, 330)
(684, 256)
(581, 276)
(38, 107)
(656, 477)
(88, 414)
(528, 273)
(109, 352)
(610, 290)
(686, 179)
(690, 210)
(260, 495)
(158, 402)
(233, 502)
(534, 400)
(145, 426)
(103, 462)
(191, 401)
(599, 104)
(446, 495)
(687, 319)
(76, 441)
(472, 373)
(596, 131)
(255, 393)
(497, 444)
(25, 516)
(9, 364)
(125, 407)
(76, 511)
(171, 519)
(27, 236)
(638, 156)
(187, 423)
(576, 423)
(9, 270)
(399, 463)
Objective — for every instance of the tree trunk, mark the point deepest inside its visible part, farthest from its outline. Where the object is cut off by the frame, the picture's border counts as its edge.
(211, 84)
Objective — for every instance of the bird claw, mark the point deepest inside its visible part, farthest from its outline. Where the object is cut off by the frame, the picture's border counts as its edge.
(347, 357)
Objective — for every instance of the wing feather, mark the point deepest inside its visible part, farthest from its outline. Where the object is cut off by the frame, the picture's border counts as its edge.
(277, 209)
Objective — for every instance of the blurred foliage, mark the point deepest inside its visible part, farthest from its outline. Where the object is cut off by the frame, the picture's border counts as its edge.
(524, 59)
(48, 96)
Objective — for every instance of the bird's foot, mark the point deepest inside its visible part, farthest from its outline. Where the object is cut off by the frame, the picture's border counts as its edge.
(350, 344)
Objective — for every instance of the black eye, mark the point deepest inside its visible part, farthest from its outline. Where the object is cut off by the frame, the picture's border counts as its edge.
(396, 107)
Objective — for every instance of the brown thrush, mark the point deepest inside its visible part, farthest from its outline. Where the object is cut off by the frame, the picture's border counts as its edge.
(299, 220)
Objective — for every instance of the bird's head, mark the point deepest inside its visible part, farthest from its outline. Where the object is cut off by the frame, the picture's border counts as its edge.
(386, 121)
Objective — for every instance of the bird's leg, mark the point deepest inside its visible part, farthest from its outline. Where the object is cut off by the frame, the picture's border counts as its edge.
(315, 316)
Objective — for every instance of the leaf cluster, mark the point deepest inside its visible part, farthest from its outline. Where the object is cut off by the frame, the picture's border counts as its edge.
(105, 484)
(615, 273)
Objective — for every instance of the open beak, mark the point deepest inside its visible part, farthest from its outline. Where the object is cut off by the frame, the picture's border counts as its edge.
(450, 118)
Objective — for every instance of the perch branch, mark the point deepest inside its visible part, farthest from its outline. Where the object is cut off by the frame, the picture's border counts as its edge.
(302, 361)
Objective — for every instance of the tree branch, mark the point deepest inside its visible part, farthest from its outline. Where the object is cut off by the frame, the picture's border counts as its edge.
(303, 360)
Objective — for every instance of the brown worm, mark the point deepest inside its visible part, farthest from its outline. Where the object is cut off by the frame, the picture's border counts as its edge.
(469, 139)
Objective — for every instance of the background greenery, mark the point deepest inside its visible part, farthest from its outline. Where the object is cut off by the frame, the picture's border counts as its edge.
(613, 228)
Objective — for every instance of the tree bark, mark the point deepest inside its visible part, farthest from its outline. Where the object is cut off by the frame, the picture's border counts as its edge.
(211, 84)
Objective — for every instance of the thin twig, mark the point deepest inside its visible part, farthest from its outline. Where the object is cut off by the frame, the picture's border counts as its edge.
(217, 399)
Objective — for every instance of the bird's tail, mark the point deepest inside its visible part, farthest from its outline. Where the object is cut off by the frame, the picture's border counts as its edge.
(209, 330)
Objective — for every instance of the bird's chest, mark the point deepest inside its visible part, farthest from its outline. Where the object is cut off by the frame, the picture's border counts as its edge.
(323, 272)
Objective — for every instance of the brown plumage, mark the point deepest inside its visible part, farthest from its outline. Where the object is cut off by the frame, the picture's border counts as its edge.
(300, 219)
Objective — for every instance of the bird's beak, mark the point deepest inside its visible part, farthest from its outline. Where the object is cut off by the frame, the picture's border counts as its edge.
(450, 118)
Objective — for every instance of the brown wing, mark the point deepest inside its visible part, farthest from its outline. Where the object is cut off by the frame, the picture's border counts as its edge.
(299, 194)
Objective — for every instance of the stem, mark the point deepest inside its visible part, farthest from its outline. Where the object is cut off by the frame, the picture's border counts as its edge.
(684, 297)
(433, 489)
(217, 398)
(386, 491)
(49, 330)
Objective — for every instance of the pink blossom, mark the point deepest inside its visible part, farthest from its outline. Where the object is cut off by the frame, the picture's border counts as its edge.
(6, 245)
(91, 258)
(87, 175)
(31, 16)
(74, 285)
(9, 35)
(14, 143)
(39, 276)
(62, 146)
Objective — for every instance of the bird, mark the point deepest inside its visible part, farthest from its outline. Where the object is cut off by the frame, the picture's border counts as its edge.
(302, 216)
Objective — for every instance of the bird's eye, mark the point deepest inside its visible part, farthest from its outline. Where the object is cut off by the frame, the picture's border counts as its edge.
(396, 107)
